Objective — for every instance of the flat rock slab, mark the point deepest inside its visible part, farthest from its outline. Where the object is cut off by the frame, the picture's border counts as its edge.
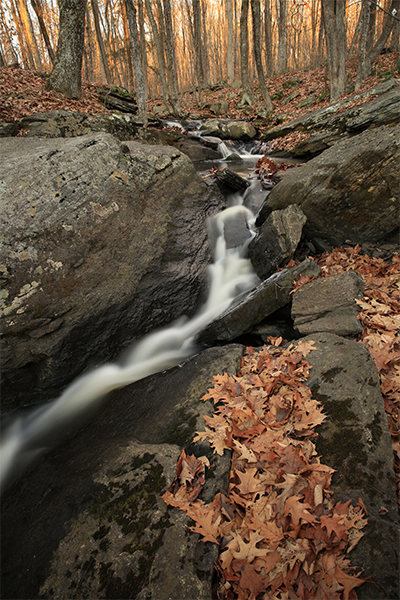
(328, 304)
(252, 307)
(88, 522)
(355, 441)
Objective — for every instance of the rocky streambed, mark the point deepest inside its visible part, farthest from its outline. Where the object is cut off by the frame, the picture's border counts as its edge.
(105, 240)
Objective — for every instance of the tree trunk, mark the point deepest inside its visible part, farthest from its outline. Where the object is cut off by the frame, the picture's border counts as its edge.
(137, 64)
(269, 59)
(30, 34)
(366, 14)
(390, 20)
(229, 61)
(2, 61)
(143, 51)
(256, 12)
(37, 7)
(333, 12)
(171, 58)
(282, 40)
(244, 50)
(198, 46)
(160, 55)
(26, 59)
(96, 16)
(128, 51)
(66, 76)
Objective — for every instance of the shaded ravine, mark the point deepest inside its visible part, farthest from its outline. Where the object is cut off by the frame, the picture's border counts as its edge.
(25, 436)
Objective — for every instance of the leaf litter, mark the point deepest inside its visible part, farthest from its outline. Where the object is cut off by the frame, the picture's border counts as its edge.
(280, 532)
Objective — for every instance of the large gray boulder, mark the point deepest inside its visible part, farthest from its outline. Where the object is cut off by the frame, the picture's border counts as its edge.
(88, 520)
(355, 441)
(101, 243)
(349, 193)
(277, 240)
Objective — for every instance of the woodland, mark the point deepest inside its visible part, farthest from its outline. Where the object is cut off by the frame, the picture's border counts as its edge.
(282, 530)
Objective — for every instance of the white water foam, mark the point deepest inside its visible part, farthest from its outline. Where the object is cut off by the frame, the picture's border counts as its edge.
(30, 434)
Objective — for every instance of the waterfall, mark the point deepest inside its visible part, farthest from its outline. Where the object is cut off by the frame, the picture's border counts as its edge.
(29, 434)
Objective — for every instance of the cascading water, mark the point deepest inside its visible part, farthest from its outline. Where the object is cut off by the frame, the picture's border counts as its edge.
(231, 273)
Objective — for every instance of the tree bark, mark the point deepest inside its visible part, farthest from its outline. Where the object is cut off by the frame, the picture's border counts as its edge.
(229, 18)
(66, 76)
(333, 12)
(256, 12)
(198, 46)
(269, 59)
(143, 51)
(390, 20)
(244, 50)
(160, 55)
(282, 39)
(37, 7)
(96, 16)
(137, 64)
(366, 14)
(170, 54)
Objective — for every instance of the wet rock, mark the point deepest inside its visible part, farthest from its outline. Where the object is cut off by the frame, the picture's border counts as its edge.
(355, 441)
(239, 130)
(227, 178)
(250, 308)
(111, 535)
(350, 193)
(328, 304)
(104, 241)
(276, 240)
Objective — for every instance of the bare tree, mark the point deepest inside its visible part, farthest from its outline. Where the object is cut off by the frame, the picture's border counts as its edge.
(96, 16)
(66, 76)
(282, 38)
(269, 61)
(333, 13)
(256, 12)
(37, 7)
(137, 64)
(244, 51)
(229, 18)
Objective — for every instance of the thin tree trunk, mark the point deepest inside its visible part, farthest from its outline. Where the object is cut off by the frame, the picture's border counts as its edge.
(171, 58)
(229, 62)
(7, 33)
(390, 20)
(143, 50)
(269, 60)
(244, 50)
(282, 39)
(96, 17)
(204, 48)
(37, 7)
(256, 12)
(137, 65)
(30, 34)
(198, 45)
(366, 10)
(128, 51)
(66, 76)
(27, 58)
(335, 29)
(160, 55)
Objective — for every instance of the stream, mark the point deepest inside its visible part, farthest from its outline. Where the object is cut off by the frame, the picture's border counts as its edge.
(28, 433)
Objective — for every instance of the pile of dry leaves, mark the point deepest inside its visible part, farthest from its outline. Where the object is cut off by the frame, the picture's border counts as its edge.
(280, 531)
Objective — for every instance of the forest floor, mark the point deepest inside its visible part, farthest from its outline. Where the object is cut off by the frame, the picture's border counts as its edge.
(23, 93)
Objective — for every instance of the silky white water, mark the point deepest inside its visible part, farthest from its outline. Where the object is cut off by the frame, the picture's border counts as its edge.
(30, 434)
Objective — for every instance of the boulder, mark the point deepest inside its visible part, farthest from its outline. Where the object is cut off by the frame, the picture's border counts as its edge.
(111, 534)
(230, 181)
(219, 108)
(277, 240)
(328, 304)
(250, 308)
(384, 109)
(102, 242)
(117, 98)
(349, 193)
(239, 130)
(65, 123)
(355, 441)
